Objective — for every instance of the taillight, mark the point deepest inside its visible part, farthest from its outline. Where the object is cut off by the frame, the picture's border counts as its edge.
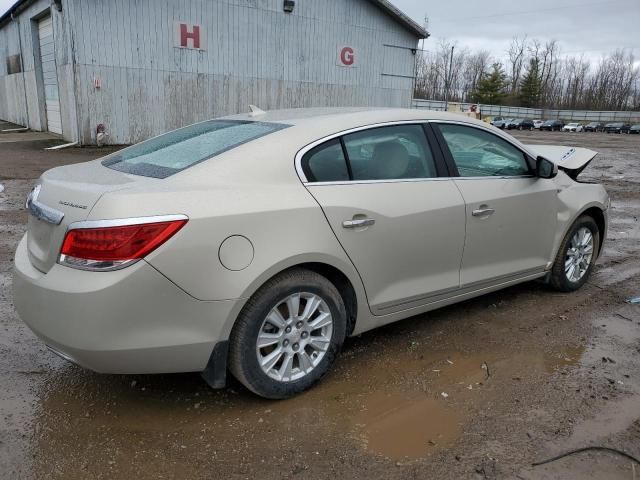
(114, 244)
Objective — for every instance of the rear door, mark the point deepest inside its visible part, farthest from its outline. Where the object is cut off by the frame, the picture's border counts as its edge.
(511, 214)
(401, 222)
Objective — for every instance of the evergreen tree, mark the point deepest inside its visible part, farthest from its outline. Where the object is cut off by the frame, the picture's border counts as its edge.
(531, 86)
(491, 88)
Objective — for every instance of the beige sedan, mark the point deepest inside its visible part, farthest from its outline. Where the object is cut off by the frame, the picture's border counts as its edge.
(256, 243)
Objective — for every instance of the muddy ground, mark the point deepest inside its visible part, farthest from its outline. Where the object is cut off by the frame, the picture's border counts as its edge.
(411, 400)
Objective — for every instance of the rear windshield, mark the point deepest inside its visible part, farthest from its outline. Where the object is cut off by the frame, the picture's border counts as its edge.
(175, 151)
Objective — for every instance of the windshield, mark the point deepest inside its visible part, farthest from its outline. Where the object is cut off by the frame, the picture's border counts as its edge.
(163, 156)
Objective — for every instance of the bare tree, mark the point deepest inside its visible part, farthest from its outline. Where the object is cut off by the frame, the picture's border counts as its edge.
(565, 81)
(517, 56)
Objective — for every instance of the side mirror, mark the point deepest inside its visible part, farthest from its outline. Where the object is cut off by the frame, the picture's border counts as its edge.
(546, 168)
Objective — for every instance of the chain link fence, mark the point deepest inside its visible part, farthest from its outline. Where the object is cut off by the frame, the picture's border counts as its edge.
(535, 113)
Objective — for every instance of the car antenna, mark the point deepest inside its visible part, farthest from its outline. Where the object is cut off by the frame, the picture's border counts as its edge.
(255, 111)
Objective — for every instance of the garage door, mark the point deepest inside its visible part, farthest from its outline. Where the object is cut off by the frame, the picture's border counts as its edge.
(50, 77)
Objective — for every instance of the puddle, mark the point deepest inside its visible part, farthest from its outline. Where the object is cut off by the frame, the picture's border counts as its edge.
(569, 356)
(400, 427)
(414, 425)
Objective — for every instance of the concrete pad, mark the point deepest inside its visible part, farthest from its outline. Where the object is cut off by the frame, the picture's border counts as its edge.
(13, 137)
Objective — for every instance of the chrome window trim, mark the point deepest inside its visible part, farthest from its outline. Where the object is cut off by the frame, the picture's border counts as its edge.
(364, 182)
(303, 151)
(123, 222)
(493, 177)
(40, 210)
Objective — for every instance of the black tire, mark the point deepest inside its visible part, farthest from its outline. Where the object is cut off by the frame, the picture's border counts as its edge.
(559, 280)
(243, 360)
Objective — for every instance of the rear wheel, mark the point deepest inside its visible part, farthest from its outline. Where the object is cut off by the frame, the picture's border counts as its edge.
(288, 334)
(576, 256)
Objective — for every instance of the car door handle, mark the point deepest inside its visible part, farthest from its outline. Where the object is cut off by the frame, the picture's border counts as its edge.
(483, 212)
(357, 223)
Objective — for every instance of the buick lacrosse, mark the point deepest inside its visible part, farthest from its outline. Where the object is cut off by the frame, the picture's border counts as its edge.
(254, 244)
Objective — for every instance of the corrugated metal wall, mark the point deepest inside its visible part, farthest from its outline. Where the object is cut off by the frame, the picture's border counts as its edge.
(255, 53)
(22, 94)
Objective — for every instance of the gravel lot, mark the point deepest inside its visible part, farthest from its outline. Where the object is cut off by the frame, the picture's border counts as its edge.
(563, 372)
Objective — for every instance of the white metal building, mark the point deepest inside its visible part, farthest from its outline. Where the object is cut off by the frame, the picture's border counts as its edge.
(147, 66)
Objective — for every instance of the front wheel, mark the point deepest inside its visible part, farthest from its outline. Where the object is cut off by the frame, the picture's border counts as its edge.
(288, 334)
(576, 256)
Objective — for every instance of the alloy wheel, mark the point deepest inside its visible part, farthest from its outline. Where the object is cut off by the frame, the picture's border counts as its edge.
(579, 255)
(294, 337)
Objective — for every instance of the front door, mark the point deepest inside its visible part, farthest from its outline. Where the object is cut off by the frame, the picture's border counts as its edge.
(402, 226)
(511, 214)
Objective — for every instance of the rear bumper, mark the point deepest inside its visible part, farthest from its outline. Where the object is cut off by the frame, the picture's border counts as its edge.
(129, 321)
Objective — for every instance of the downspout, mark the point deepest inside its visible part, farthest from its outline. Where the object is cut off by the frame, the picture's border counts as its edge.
(24, 79)
(75, 75)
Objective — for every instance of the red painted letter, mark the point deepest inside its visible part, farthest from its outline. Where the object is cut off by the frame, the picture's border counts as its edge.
(347, 56)
(185, 35)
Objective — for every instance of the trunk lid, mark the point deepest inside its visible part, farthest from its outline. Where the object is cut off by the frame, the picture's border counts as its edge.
(572, 160)
(71, 191)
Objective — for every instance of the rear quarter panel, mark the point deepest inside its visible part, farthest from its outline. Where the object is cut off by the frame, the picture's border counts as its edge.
(251, 192)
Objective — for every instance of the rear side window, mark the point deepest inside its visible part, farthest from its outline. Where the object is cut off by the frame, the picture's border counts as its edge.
(390, 153)
(175, 151)
(383, 153)
(326, 163)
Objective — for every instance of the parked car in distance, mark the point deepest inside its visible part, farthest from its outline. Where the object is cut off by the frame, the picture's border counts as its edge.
(594, 127)
(502, 124)
(572, 127)
(635, 128)
(508, 125)
(537, 124)
(552, 125)
(617, 127)
(496, 119)
(521, 124)
(147, 261)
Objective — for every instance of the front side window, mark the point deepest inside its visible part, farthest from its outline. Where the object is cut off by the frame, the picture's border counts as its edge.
(162, 156)
(390, 153)
(477, 153)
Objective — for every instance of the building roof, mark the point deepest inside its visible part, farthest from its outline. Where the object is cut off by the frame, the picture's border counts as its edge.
(385, 5)
(401, 17)
(14, 9)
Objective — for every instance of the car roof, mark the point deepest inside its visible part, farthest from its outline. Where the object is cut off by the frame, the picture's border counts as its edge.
(307, 126)
(348, 117)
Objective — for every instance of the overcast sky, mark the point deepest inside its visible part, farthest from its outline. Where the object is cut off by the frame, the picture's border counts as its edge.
(594, 27)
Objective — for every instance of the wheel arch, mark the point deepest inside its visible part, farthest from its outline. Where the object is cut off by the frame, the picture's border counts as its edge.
(341, 274)
(599, 217)
(594, 210)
